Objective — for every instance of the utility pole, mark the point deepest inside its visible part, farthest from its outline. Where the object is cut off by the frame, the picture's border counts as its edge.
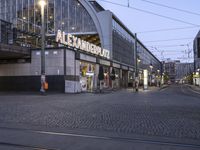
(136, 65)
(42, 4)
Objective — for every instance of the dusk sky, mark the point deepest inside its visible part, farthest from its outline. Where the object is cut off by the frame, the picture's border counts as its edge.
(164, 44)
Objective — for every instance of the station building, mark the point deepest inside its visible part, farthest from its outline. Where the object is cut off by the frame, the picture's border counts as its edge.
(80, 37)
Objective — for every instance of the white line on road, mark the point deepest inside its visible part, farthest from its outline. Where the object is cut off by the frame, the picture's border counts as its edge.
(123, 139)
(137, 140)
(74, 135)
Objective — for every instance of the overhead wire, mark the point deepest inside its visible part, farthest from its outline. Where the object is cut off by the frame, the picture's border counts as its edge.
(163, 16)
(170, 40)
(158, 46)
(149, 12)
(168, 29)
(170, 7)
(175, 45)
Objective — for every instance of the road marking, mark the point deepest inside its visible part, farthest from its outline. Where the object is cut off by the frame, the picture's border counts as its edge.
(74, 135)
(122, 139)
(163, 88)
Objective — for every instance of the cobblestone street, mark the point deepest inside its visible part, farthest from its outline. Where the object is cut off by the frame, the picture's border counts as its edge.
(173, 112)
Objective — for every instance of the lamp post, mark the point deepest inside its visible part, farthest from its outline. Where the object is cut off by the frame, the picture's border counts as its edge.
(158, 78)
(42, 4)
(136, 82)
(135, 57)
(138, 67)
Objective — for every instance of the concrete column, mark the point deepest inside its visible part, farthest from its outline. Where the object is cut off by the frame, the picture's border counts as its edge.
(72, 81)
(96, 73)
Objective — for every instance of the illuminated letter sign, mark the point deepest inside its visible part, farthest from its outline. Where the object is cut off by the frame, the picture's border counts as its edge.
(81, 44)
(59, 37)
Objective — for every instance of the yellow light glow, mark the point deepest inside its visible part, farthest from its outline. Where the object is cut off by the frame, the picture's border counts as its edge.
(42, 3)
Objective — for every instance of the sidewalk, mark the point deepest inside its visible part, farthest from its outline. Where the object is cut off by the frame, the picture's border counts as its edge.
(194, 88)
(150, 88)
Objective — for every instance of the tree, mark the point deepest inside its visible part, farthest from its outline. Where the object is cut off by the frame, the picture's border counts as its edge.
(166, 77)
(189, 78)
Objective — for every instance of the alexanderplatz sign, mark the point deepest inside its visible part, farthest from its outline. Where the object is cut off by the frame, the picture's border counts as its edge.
(75, 42)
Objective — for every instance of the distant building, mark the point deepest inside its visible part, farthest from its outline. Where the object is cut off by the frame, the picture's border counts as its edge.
(169, 67)
(184, 69)
(197, 52)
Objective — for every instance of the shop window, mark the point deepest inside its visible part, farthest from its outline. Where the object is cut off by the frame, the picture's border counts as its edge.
(87, 76)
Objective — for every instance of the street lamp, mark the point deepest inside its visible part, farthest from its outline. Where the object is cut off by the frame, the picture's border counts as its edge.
(158, 78)
(42, 4)
(138, 65)
(138, 71)
(139, 60)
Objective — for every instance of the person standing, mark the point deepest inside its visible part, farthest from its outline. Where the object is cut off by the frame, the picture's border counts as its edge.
(136, 84)
(43, 82)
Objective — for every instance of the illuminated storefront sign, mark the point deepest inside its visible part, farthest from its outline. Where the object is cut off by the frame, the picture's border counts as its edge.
(81, 44)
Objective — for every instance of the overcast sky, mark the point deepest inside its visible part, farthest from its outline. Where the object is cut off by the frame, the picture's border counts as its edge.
(138, 21)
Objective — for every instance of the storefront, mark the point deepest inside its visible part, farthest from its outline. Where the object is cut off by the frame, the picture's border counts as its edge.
(124, 82)
(87, 76)
(106, 76)
(106, 69)
(130, 77)
(141, 77)
(116, 82)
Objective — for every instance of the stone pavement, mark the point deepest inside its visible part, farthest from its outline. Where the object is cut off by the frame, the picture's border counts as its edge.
(164, 113)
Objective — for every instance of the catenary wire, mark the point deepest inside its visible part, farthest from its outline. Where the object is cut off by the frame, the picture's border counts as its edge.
(167, 29)
(170, 7)
(149, 12)
(169, 40)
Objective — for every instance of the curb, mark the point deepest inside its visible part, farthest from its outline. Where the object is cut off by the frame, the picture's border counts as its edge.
(164, 87)
(195, 91)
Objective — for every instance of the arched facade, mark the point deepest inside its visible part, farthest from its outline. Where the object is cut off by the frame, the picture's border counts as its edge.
(78, 63)
(72, 16)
